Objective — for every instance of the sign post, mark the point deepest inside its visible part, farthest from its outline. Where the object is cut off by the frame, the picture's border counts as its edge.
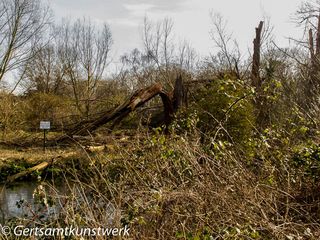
(44, 125)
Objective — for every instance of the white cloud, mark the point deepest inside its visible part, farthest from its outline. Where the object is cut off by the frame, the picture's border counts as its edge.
(191, 18)
(138, 10)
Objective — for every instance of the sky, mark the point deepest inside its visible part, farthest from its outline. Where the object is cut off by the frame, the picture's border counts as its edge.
(191, 19)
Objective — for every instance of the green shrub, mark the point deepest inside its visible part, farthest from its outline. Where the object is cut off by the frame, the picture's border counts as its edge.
(307, 161)
(225, 110)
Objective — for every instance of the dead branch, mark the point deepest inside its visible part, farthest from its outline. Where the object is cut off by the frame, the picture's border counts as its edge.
(137, 99)
(171, 102)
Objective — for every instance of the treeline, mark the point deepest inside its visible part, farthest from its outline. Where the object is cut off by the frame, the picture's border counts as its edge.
(60, 71)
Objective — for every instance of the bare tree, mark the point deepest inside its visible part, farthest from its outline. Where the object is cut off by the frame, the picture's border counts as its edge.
(22, 24)
(187, 57)
(138, 69)
(158, 42)
(161, 59)
(308, 16)
(84, 52)
(228, 50)
(155, 61)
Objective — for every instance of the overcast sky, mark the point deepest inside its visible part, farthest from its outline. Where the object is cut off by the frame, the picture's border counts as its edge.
(191, 18)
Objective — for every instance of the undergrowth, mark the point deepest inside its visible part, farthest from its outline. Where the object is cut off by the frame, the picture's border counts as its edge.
(174, 187)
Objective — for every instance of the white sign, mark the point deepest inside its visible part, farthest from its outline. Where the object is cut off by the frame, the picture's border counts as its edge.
(45, 125)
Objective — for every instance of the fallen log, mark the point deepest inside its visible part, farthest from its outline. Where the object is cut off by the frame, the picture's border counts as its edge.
(27, 172)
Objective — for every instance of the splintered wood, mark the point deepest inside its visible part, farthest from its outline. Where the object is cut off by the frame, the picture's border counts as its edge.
(171, 102)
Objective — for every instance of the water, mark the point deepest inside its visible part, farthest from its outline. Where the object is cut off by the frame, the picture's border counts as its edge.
(18, 201)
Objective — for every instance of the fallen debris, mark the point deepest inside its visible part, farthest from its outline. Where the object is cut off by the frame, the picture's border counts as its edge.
(29, 171)
(171, 103)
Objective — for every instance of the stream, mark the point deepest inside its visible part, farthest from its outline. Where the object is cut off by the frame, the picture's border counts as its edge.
(17, 201)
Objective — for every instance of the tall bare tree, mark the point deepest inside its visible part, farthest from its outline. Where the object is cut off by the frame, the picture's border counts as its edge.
(22, 23)
(84, 52)
(308, 16)
(158, 42)
(44, 71)
(187, 57)
(228, 54)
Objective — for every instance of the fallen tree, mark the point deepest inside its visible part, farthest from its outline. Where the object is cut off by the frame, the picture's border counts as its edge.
(171, 102)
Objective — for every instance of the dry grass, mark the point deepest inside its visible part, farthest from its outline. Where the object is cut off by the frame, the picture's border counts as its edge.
(174, 188)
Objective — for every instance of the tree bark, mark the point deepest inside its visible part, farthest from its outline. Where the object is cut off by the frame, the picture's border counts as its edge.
(313, 83)
(179, 94)
(139, 98)
(27, 172)
(255, 74)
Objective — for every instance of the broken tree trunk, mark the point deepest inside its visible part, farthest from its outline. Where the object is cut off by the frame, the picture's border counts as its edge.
(255, 72)
(139, 98)
(171, 102)
(313, 82)
(318, 37)
(311, 46)
(179, 94)
(262, 114)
